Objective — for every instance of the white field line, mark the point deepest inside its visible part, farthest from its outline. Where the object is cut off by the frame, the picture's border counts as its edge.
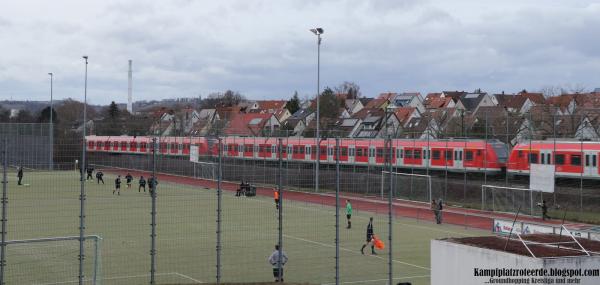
(128, 277)
(355, 251)
(379, 280)
(187, 277)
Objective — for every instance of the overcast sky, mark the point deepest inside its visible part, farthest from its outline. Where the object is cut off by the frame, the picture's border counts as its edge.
(264, 49)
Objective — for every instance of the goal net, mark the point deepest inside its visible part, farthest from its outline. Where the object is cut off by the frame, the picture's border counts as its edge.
(509, 199)
(52, 260)
(202, 169)
(407, 186)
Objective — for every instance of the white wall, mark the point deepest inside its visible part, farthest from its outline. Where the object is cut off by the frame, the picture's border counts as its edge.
(453, 263)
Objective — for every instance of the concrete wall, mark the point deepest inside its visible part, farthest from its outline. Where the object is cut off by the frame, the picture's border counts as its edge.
(453, 263)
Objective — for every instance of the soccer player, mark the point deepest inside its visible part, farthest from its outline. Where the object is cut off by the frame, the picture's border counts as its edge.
(274, 261)
(99, 176)
(370, 234)
(128, 179)
(117, 185)
(348, 213)
(152, 183)
(20, 175)
(89, 171)
(142, 182)
(542, 205)
(276, 197)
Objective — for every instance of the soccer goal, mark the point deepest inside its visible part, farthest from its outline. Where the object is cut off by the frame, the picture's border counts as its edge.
(53, 260)
(509, 199)
(205, 170)
(407, 185)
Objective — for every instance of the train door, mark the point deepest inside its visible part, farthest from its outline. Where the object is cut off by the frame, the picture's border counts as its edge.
(590, 163)
(545, 157)
(458, 158)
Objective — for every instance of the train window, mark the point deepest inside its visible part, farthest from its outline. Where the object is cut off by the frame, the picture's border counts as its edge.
(417, 154)
(371, 152)
(576, 159)
(425, 154)
(301, 149)
(436, 154)
(408, 153)
(359, 152)
(533, 158)
(273, 148)
(379, 152)
(468, 155)
(290, 149)
(587, 160)
(559, 159)
(398, 152)
(479, 152)
(548, 159)
(344, 151)
(594, 160)
(448, 155)
(330, 151)
(460, 155)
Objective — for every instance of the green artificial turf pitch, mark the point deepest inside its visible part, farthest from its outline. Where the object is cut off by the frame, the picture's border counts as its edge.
(186, 236)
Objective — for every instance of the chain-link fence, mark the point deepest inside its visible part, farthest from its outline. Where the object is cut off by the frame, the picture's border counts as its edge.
(156, 216)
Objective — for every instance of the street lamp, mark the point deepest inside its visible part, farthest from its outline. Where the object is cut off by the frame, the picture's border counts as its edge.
(82, 190)
(318, 32)
(51, 124)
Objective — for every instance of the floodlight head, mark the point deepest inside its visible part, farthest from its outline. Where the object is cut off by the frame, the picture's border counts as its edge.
(50, 73)
(317, 31)
(85, 57)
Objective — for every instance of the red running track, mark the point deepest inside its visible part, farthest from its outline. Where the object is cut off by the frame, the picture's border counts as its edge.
(418, 210)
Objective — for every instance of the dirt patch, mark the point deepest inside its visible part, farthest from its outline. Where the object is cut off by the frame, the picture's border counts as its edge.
(567, 247)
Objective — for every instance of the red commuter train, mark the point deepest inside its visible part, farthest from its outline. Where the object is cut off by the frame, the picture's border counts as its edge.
(471, 155)
(574, 159)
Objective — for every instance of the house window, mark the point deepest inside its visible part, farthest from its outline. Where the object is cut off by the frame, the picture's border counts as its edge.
(559, 159)
(576, 160)
(436, 154)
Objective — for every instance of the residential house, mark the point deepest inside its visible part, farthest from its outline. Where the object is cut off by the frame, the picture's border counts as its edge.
(472, 101)
(373, 123)
(298, 121)
(353, 105)
(422, 128)
(379, 103)
(347, 127)
(252, 125)
(269, 106)
(414, 100)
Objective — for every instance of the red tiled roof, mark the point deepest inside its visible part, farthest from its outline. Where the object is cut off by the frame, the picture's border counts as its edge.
(404, 113)
(271, 104)
(436, 103)
(249, 124)
(536, 98)
(387, 95)
(376, 103)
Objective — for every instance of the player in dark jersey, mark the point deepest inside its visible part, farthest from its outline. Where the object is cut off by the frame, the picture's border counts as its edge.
(142, 182)
(90, 171)
(370, 234)
(128, 179)
(99, 176)
(117, 185)
(20, 175)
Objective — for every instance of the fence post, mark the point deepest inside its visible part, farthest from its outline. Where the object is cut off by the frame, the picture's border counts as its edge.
(153, 215)
(390, 213)
(337, 211)
(279, 213)
(219, 173)
(4, 210)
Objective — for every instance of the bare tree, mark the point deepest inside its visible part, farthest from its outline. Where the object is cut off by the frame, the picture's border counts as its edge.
(350, 88)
